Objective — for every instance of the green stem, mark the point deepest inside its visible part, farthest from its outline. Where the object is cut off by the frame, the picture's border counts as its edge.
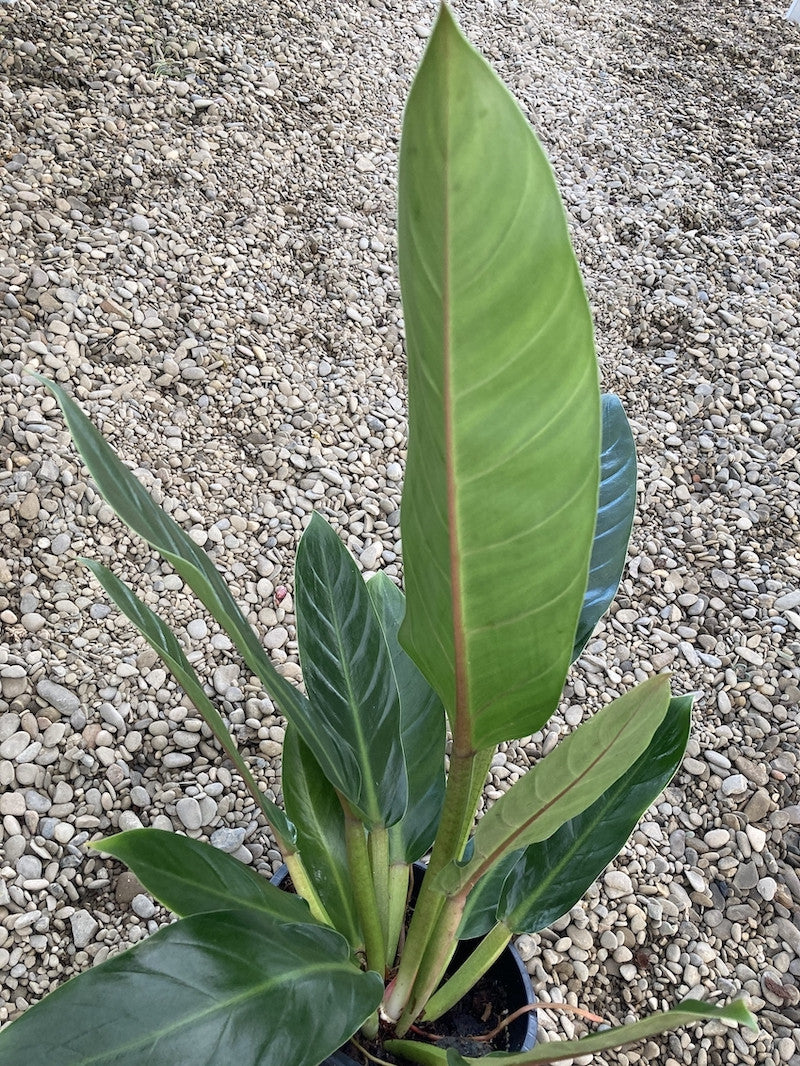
(371, 1026)
(304, 888)
(454, 826)
(398, 900)
(442, 944)
(470, 971)
(379, 859)
(364, 889)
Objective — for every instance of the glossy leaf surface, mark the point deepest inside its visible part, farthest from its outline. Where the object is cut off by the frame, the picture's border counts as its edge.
(556, 1051)
(567, 781)
(422, 728)
(161, 638)
(615, 510)
(314, 808)
(504, 439)
(349, 677)
(192, 877)
(227, 987)
(549, 877)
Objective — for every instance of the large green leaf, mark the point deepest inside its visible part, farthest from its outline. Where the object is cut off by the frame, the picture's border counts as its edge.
(349, 677)
(614, 519)
(686, 1013)
(138, 510)
(423, 732)
(547, 878)
(161, 638)
(501, 486)
(314, 808)
(567, 781)
(192, 877)
(227, 987)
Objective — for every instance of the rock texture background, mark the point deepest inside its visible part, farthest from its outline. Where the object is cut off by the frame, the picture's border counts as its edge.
(197, 240)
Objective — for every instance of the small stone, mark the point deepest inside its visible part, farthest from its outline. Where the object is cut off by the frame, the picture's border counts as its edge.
(139, 224)
(746, 877)
(717, 838)
(32, 622)
(84, 927)
(789, 601)
(129, 820)
(143, 906)
(787, 930)
(15, 745)
(197, 629)
(759, 806)
(370, 556)
(188, 810)
(766, 888)
(29, 507)
(757, 837)
(64, 701)
(227, 840)
(276, 638)
(618, 884)
(735, 785)
(12, 803)
(128, 887)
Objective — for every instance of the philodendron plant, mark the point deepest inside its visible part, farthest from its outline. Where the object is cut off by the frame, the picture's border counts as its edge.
(517, 507)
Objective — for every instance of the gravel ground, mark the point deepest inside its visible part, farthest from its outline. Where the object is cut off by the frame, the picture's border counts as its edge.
(198, 239)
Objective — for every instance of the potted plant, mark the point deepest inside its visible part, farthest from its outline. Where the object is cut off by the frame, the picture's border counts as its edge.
(517, 508)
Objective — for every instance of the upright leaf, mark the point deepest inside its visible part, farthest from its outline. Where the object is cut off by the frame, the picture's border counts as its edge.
(192, 877)
(542, 882)
(314, 808)
(567, 781)
(227, 987)
(422, 726)
(614, 519)
(501, 485)
(349, 677)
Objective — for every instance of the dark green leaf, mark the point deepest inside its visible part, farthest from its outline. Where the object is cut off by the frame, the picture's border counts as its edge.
(500, 496)
(314, 808)
(614, 519)
(686, 1013)
(213, 989)
(192, 877)
(480, 913)
(349, 678)
(423, 731)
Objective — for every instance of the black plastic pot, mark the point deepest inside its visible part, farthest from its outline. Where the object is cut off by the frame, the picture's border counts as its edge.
(509, 971)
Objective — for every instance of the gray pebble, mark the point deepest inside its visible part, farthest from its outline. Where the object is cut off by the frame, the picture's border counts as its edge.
(227, 840)
(143, 906)
(84, 927)
(188, 810)
(64, 701)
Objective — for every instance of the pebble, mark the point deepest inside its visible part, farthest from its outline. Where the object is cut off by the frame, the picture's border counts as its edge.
(189, 813)
(227, 839)
(57, 696)
(241, 342)
(84, 926)
(143, 906)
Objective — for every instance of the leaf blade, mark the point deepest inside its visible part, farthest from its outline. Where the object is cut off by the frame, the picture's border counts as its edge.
(314, 808)
(349, 676)
(487, 430)
(567, 781)
(615, 509)
(423, 732)
(192, 877)
(227, 986)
